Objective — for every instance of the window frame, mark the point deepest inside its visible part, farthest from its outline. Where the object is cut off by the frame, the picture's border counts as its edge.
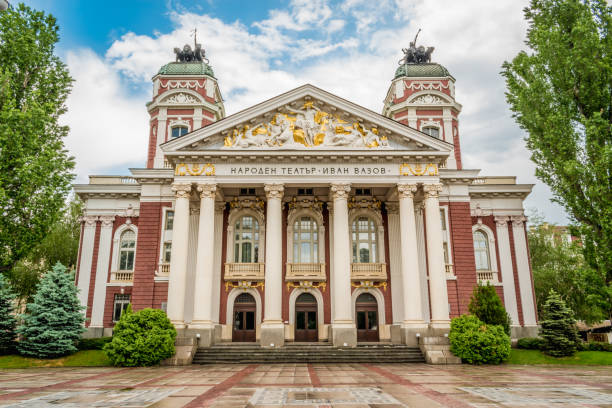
(492, 245)
(372, 243)
(239, 242)
(122, 303)
(312, 242)
(131, 250)
(116, 251)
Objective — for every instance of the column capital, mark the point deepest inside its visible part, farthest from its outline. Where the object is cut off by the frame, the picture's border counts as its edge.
(340, 190)
(181, 190)
(406, 190)
(518, 220)
(432, 190)
(274, 191)
(220, 206)
(89, 220)
(107, 220)
(207, 190)
(501, 220)
(392, 207)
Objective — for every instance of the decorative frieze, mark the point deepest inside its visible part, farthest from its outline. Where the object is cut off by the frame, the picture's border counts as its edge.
(406, 169)
(194, 169)
(340, 190)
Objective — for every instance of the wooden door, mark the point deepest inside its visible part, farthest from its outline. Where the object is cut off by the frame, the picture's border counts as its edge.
(244, 318)
(306, 328)
(366, 317)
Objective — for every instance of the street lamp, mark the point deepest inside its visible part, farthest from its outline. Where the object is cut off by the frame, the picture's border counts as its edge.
(4, 4)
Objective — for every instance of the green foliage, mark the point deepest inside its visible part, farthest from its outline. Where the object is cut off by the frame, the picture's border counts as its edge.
(53, 322)
(143, 338)
(488, 307)
(530, 343)
(35, 168)
(478, 343)
(84, 358)
(594, 346)
(94, 344)
(558, 328)
(529, 357)
(560, 265)
(561, 94)
(7, 318)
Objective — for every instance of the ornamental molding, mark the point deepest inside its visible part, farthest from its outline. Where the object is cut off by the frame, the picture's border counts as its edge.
(418, 169)
(194, 169)
(207, 190)
(392, 208)
(501, 221)
(430, 123)
(427, 85)
(107, 220)
(340, 190)
(305, 206)
(432, 190)
(428, 100)
(406, 190)
(366, 204)
(256, 205)
(181, 190)
(186, 84)
(181, 98)
(479, 212)
(89, 220)
(274, 191)
(518, 220)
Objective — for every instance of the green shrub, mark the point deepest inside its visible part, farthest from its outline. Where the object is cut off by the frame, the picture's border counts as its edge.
(93, 344)
(594, 346)
(488, 307)
(478, 343)
(530, 343)
(143, 338)
(558, 328)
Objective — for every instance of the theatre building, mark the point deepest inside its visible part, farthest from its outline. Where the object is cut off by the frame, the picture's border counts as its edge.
(304, 218)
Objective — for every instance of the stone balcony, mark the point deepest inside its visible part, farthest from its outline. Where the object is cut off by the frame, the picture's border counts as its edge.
(368, 272)
(239, 271)
(305, 272)
(163, 269)
(122, 276)
(487, 276)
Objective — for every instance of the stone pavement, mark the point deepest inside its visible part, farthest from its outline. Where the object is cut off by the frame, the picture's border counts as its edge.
(308, 385)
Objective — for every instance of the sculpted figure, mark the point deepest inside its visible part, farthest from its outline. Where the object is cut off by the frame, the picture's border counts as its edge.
(255, 136)
(281, 131)
(305, 121)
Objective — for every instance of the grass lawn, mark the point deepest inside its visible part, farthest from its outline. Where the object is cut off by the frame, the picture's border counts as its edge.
(519, 356)
(85, 358)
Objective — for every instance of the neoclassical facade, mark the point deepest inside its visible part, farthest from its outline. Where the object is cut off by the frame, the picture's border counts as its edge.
(303, 218)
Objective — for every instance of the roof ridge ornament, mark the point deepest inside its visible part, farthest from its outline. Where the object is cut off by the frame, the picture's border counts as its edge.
(416, 55)
(197, 54)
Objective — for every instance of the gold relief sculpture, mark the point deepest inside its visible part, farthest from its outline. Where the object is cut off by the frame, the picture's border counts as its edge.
(244, 285)
(307, 285)
(370, 285)
(430, 169)
(194, 169)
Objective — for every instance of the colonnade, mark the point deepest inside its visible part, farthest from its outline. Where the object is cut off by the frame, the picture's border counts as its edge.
(343, 330)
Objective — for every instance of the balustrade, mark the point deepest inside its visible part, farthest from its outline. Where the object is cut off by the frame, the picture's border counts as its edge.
(122, 276)
(244, 271)
(305, 271)
(368, 271)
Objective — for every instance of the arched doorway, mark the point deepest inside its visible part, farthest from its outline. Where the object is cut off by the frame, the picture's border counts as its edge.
(244, 318)
(366, 311)
(306, 318)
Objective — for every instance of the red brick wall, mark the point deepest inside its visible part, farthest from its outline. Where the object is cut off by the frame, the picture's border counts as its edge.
(327, 292)
(92, 277)
(457, 144)
(285, 291)
(109, 302)
(147, 253)
(460, 224)
(152, 144)
(78, 265)
(515, 273)
(387, 292)
(222, 291)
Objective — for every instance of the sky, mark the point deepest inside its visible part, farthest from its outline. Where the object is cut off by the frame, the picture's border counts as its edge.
(259, 49)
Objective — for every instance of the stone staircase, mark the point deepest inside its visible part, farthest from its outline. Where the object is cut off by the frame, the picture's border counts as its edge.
(307, 353)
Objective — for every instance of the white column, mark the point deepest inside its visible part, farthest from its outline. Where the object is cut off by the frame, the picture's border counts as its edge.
(524, 272)
(435, 258)
(216, 297)
(87, 247)
(343, 325)
(272, 328)
(178, 258)
(411, 282)
(202, 306)
(104, 253)
(505, 261)
(395, 262)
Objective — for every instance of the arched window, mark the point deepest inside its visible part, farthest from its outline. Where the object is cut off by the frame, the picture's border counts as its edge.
(481, 251)
(364, 240)
(178, 131)
(305, 241)
(127, 248)
(246, 240)
(432, 131)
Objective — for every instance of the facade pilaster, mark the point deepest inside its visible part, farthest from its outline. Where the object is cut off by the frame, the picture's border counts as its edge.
(202, 321)
(524, 272)
(178, 257)
(435, 257)
(395, 264)
(344, 332)
(411, 284)
(273, 328)
(216, 297)
(102, 267)
(505, 262)
(87, 249)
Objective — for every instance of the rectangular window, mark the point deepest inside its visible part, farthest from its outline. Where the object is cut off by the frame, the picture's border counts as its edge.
(247, 191)
(121, 303)
(164, 306)
(443, 219)
(169, 220)
(363, 191)
(305, 191)
(167, 251)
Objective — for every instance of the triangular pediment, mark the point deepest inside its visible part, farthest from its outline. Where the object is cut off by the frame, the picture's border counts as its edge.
(306, 118)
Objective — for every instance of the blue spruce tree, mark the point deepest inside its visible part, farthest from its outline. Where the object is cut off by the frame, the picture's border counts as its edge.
(53, 323)
(7, 318)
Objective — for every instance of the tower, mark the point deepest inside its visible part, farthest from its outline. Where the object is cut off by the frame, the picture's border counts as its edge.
(422, 96)
(186, 97)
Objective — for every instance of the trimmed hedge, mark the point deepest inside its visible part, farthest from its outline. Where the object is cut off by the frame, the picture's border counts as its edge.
(94, 344)
(478, 343)
(530, 343)
(595, 346)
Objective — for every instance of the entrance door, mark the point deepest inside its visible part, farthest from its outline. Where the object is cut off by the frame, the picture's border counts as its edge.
(366, 310)
(244, 318)
(306, 318)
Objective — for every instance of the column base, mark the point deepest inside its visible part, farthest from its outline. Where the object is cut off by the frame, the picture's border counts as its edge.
(205, 330)
(344, 334)
(440, 324)
(93, 332)
(411, 332)
(518, 332)
(272, 334)
(178, 324)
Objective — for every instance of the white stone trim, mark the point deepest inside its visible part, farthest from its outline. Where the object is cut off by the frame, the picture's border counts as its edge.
(380, 300)
(234, 215)
(317, 216)
(231, 297)
(446, 100)
(524, 273)
(395, 264)
(492, 245)
(178, 122)
(380, 229)
(87, 247)
(116, 243)
(505, 261)
(318, 296)
(104, 250)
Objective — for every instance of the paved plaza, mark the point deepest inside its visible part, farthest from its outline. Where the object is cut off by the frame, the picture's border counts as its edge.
(308, 385)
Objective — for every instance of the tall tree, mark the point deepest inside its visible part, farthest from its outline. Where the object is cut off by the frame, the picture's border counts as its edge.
(35, 168)
(561, 94)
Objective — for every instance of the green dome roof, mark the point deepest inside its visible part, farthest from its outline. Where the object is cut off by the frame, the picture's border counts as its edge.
(422, 70)
(186, 68)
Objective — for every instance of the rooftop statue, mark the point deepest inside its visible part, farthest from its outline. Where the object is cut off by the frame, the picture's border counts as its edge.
(416, 55)
(188, 55)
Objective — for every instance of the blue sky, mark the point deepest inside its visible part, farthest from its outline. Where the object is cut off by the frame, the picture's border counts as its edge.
(259, 49)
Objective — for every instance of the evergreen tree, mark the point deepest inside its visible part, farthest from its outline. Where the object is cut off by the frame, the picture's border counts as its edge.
(53, 322)
(487, 306)
(559, 327)
(7, 318)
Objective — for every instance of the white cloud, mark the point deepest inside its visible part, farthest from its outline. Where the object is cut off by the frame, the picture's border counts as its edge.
(294, 46)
